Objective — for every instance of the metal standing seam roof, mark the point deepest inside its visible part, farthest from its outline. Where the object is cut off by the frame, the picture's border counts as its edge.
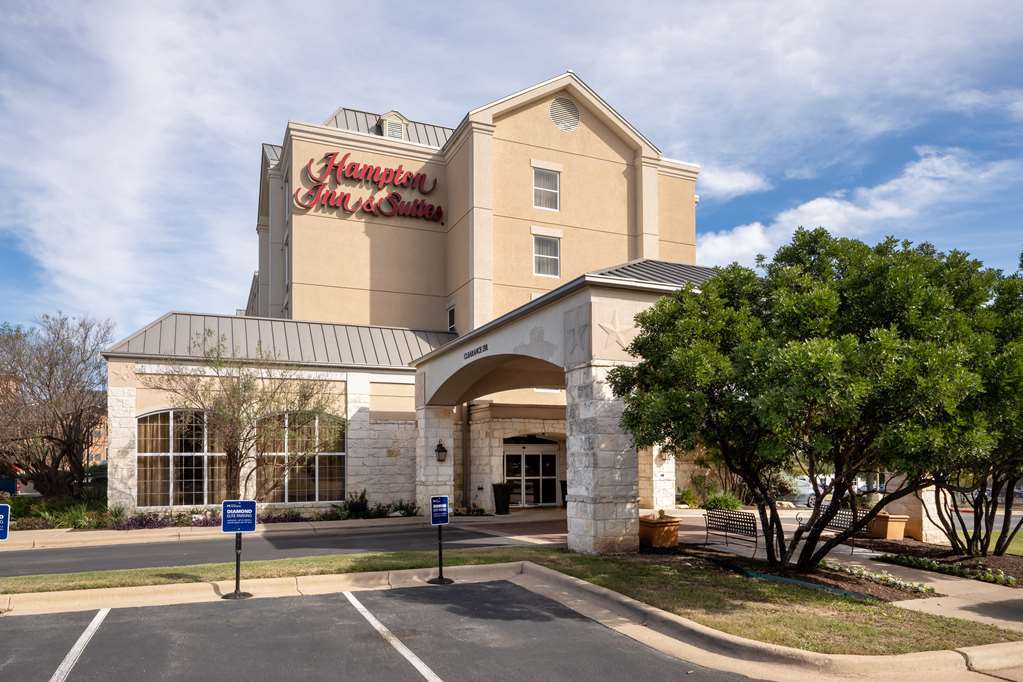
(658, 272)
(182, 335)
(366, 123)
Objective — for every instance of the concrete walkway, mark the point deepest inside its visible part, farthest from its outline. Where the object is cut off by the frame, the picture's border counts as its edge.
(963, 597)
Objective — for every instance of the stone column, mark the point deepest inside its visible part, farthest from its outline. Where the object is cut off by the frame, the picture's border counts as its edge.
(357, 456)
(603, 469)
(435, 424)
(663, 479)
(917, 507)
(122, 468)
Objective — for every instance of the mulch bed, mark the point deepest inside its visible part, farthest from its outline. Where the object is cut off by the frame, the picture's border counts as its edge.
(822, 576)
(1009, 563)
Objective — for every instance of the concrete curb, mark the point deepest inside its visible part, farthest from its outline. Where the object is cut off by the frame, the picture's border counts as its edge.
(38, 603)
(726, 646)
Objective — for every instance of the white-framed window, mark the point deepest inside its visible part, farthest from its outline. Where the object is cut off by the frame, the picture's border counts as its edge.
(451, 320)
(546, 256)
(546, 189)
(303, 459)
(174, 464)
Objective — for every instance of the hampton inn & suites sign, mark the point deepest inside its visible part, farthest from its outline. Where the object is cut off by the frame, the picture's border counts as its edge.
(332, 171)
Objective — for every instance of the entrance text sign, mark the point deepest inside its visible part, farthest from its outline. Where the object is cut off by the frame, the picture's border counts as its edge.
(238, 516)
(5, 521)
(439, 510)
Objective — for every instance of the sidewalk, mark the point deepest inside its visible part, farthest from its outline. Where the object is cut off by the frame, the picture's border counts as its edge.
(963, 598)
(67, 537)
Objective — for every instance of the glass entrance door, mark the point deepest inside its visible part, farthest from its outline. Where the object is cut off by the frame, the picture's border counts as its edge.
(532, 474)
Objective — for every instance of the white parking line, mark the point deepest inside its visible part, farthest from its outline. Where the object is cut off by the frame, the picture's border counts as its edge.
(416, 662)
(72, 656)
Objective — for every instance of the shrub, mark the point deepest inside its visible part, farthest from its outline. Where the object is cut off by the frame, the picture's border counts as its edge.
(722, 501)
(687, 497)
(116, 514)
(281, 516)
(979, 572)
(404, 508)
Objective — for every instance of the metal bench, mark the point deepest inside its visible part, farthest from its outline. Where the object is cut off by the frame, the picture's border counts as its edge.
(842, 521)
(739, 525)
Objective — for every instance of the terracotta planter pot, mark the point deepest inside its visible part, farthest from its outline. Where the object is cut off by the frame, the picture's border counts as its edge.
(654, 532)
(887, 526)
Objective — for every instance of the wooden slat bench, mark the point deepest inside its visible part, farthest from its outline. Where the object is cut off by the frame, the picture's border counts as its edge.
(739, 525)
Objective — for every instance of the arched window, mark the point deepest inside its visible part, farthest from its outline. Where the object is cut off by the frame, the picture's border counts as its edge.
(302, 459)
(175, 466)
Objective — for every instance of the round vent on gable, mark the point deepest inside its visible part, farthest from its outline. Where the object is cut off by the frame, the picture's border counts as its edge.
(564, 113)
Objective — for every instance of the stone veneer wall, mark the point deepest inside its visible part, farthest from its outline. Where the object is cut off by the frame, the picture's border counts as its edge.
(603, 469)
(388, 471)
(122, 479)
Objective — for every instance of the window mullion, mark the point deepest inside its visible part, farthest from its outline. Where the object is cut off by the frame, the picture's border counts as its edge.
(170, 463)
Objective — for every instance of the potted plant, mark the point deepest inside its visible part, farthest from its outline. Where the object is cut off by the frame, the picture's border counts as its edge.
(888, 526)
(658, 531)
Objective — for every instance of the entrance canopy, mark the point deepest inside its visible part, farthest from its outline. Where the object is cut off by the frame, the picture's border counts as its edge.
(569, 338)
(586, 320)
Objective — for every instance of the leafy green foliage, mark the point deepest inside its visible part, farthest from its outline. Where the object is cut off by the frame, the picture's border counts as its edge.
(722, 501)
(841, 360)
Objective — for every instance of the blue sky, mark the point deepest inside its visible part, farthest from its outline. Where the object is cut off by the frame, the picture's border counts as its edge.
(130, 133)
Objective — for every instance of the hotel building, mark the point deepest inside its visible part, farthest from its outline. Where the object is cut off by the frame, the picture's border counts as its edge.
(463, 289)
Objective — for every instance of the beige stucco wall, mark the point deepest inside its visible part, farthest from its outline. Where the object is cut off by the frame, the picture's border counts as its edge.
(406, 272)
(365, 269)
(676, 203)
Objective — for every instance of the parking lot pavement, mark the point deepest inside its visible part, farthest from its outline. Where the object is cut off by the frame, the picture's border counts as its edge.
(494, 631)
(155, 554)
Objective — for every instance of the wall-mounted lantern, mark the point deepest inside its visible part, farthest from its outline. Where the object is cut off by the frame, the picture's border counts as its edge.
(441, 451)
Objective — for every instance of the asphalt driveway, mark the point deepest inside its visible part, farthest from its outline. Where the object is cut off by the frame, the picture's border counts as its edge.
(491, 631)
(255, 547)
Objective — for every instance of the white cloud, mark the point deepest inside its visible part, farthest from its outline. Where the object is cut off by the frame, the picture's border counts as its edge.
(938, 180)
(130, 131)
(728, 183)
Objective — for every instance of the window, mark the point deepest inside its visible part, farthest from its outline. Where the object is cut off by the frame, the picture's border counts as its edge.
(303, 459)
(546, 189)
(451, 319)
(546, 256)
(175, 466)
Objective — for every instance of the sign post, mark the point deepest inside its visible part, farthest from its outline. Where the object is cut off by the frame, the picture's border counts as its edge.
(439, 518)
(5, 521)
(238, 516)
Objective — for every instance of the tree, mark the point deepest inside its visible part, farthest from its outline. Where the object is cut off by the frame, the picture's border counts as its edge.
(53, 399)
(984, 484)
(248, 405)
(841, 360)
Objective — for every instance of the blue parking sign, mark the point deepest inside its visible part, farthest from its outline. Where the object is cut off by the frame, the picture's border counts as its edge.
(238, 516)
(439, 510)
(5, 521)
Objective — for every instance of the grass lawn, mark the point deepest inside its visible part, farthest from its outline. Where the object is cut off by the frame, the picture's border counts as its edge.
(1015, 547)
(778, 613)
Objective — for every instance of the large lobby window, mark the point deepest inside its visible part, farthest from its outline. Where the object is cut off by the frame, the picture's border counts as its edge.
(174, 462)
(546, 189)
(546, 256)
(303, 459)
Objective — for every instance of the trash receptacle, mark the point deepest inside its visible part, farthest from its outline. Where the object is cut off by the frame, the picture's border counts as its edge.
(502, 498)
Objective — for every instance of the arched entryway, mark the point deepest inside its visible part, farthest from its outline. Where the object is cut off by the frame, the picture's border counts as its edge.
(569, 339)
